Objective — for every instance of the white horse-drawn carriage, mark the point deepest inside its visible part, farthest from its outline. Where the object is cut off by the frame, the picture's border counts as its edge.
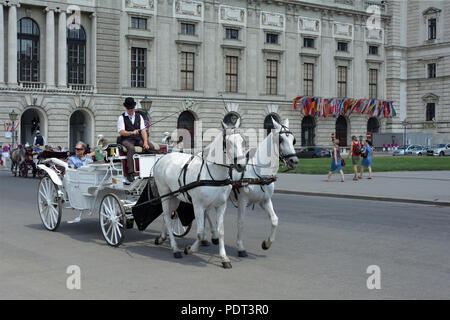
(98, 187)
(179, 186)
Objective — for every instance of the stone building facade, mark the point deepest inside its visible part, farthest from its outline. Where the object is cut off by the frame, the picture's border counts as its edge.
(204, 60)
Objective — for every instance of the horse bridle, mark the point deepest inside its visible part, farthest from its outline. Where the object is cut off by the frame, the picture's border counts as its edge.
(285, 157)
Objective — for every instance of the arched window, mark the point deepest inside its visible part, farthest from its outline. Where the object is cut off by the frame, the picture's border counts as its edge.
(341, 131)
(308, 131)
(28, 50)
(373, 125)
(268, 124)
(76, 51)
(185, 128)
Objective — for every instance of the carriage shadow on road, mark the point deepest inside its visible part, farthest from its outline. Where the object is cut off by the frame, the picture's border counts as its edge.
(142, 244)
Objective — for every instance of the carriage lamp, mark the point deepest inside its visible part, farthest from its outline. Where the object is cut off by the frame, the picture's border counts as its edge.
(146, 104)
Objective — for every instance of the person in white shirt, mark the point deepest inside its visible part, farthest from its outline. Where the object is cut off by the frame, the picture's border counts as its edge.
(38, 139)
(131, 128)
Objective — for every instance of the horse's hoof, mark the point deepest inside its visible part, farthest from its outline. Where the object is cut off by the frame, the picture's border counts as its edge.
(226, 265)
(177, 255)
(215, 241)
(187, 251)
(266, 245)
(204, 243)
(242, 254)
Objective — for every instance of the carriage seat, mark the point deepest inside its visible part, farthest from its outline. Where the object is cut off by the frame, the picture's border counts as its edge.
(158, 148)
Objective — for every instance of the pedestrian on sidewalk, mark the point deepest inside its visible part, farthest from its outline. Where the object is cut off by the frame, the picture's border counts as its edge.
(367, 159)
(336, 161)
(355, 154)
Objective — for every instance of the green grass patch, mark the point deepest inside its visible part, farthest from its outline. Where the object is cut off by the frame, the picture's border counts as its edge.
(381, 164)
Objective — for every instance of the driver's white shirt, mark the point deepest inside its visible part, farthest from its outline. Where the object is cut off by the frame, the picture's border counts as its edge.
(121, 123)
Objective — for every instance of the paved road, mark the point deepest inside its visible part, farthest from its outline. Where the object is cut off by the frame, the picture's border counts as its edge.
(323, 249)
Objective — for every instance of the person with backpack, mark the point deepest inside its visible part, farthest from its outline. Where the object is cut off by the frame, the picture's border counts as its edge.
(355, 154)
(366, 159)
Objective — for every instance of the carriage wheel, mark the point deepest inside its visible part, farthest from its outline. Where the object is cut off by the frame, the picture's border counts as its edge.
(178, 229)
(49, 204)
(112, 220)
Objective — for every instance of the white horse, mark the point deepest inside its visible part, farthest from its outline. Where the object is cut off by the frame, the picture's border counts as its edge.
(169, 176)
(261, 195)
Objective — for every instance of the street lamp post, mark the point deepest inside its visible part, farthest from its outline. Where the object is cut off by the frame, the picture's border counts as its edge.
(404, 124)
(13, 117)
(146, 105)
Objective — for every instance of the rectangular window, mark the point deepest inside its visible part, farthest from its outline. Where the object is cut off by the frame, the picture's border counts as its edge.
(431, 29)
(138, 67)
(373, 50)
(342, 46)
(432, 70)
(232, 33)
(187, 71)
(430, 115)
(342, 82)
(272, 38)
(231, 74)
(308, 42)
(188, 28)
(138, 23)
(373, 83)
(308, 79)
(271, 76)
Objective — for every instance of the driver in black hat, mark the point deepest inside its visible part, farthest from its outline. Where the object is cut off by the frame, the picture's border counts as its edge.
(131, 128)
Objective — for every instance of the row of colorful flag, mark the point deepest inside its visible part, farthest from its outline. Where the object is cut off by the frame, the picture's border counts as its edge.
(334, 107)
(7, 126)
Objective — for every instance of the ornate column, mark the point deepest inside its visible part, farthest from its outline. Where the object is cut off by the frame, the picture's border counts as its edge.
(2, 47)
(94, 50)
(12, 44)
(50, 48)
(62, 50)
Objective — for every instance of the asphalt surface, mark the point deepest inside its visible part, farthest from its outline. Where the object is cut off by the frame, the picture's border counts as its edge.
(322, 251)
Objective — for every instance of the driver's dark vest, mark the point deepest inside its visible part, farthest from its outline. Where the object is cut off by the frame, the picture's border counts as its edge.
(39, 140)
(131, 127)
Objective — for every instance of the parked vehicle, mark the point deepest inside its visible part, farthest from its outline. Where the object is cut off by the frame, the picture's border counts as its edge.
(313, 152)
(439, 150)
(411, 149)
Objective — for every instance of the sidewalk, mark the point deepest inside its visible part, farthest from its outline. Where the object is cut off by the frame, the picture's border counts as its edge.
(425, 187)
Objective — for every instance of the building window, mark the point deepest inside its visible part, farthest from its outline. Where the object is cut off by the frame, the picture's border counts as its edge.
(308, 42)
(430, 115)
(342, 82)
(308, 79)
(431, 70)
(373, 50)
(431, 29)
(187, 71)
(138, 67)
(232, 33)
(138, 23)
(271, 76)
(188, 28)
(342, 46)
(373, 83)
(76, 55)
(28, 50)
(272, 38)
(231, 74)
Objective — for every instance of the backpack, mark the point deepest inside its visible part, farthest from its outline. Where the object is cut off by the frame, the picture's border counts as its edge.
(357, 149)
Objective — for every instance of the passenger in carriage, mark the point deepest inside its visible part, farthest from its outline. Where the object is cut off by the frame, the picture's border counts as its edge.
(131, 128)
(80, 158)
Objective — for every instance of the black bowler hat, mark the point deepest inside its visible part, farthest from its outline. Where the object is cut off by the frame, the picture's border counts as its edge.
(129, 103)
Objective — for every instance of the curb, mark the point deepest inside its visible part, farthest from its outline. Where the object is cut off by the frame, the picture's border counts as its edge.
(359, 197)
